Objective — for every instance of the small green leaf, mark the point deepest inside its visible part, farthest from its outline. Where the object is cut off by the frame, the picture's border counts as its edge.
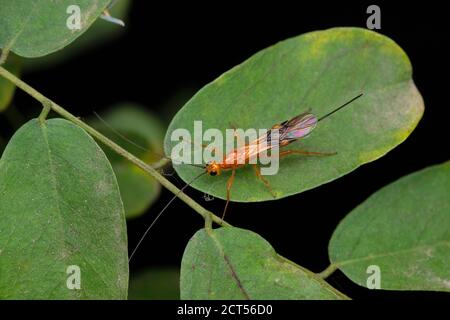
(135, 119)
(140, 128)
(232, 263)
(318, 70)
(404, 229)
(155, 284)
(34, 28)
(138, 190)
(59, 207)
(7, 88)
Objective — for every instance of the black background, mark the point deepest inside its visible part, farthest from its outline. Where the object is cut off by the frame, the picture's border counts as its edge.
(171, 48)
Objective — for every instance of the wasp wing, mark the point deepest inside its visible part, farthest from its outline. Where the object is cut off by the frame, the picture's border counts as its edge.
(295, 128)
(298, 127)
(288, 132)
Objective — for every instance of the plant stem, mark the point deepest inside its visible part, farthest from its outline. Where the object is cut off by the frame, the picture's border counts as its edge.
(314, 276)
(160, 163)
(48, 104)
(208, 224)
(328, 271)
(45, 111)
(4, 56)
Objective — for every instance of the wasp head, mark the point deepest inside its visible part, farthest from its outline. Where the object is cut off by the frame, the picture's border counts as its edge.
(213, 168)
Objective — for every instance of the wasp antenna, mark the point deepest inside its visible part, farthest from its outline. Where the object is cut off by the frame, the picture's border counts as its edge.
(124, 138)
(339, 108)
(117, 133)
(196, 165)
(193, 165)
(162, 211)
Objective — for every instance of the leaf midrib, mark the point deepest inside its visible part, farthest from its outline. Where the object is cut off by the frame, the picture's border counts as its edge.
(387, 254)
(229, 265)
(55, 188)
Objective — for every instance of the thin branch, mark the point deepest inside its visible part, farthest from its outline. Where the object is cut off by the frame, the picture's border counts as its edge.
(45, 111)
(319, 277)
(328, 271)
(118, 149)
(160, 163)
(4, 56)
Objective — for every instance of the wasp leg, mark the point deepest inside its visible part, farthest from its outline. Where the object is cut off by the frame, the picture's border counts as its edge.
(260, 177)
(229, 185)
(306, 153)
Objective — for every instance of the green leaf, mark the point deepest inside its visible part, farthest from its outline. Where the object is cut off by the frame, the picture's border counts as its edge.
(138, 190)
(140, 128)
(60, 206)
(232, 263)
(34, 28)
(404, 229)
(7, 88)
(319, 70)
(155, 284)
(98, 34)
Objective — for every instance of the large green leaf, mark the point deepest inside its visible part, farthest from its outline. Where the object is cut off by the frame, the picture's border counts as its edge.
(140, 132)
(99, 33)
(7, 88)
(34, 28)
(319, 70)
(60, 206)
(232, 263)
(155, 284)
(404, 229)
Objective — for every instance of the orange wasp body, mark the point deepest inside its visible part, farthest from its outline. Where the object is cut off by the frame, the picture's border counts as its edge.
(289, 131)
